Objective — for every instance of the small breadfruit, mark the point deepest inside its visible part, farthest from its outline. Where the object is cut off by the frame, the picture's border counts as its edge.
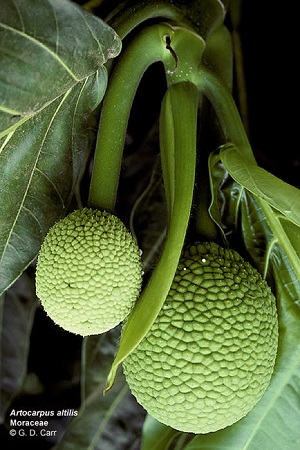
(210, 354)
(89, 272)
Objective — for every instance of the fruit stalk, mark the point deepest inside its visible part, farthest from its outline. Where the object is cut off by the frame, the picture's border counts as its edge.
(147, 48)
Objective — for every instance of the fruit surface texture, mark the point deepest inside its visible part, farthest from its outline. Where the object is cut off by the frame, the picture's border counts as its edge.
(89, 272)
(210, 354)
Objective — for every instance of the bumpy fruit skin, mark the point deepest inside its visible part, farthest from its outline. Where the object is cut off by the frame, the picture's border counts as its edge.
(210, 354)
(89, 272)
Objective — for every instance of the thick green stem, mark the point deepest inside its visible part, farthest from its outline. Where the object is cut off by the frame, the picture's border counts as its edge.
(178, 118)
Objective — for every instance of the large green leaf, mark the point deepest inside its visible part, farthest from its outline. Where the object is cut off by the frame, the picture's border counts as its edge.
(51, 78)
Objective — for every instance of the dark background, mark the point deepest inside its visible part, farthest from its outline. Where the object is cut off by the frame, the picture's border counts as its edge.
(269, 43)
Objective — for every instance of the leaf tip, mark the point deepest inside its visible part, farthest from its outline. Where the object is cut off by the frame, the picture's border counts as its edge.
(110, 380)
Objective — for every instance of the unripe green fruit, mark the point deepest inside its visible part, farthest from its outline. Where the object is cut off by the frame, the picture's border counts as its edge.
(210, 354)
(89, 272)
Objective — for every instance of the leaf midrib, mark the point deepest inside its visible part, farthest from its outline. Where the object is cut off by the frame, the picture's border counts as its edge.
(31, 176)
(13, 128)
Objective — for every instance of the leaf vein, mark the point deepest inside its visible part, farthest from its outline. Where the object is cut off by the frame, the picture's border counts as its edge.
(8, 137)
(43, 46)
(93, 34)
(53, 185)
(19, 15)
(10, 111)
(34, 216)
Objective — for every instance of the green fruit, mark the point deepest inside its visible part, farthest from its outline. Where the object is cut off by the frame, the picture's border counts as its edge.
(210, 354)
(89, 272)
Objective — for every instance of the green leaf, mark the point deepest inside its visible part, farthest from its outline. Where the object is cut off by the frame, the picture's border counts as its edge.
(47, 92)
(279, 202)
(228, 195)
(17, 309)
(103, 422)
(282, 196)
